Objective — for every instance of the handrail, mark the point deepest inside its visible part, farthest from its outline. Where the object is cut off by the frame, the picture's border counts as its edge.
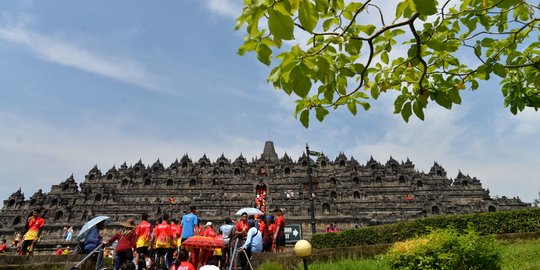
(76, 267)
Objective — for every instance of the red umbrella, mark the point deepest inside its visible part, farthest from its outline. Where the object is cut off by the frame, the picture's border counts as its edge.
(203, 242)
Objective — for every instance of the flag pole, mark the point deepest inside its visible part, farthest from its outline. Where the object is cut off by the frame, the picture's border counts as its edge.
(311, 203)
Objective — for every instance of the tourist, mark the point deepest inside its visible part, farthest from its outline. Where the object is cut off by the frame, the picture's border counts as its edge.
(211, 265)
(270, 247)
(64, 233)
(67, 251)
(181, 262)
(144, 236)
(162, 241)
(175, 235)
(92, 241)
(127, 243)
(279, 234)
(3, 246)
(35, 226)
(189, 221)
(331, 228)
(16, 240)
(208, 232)
(253, 244)
(69, 234)
(226, 234)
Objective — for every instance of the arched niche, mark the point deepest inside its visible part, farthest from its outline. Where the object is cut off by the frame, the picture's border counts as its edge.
(58, 216)
(326, 208)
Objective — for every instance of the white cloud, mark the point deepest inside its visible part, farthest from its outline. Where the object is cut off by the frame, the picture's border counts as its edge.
(228, 8)
(67, 54)
(37, 155)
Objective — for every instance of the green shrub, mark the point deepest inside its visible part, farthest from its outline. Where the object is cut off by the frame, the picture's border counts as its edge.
(516, 221)
(446, 249)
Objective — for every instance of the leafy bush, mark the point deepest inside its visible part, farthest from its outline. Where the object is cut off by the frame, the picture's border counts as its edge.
(516, 221)
(446, 249)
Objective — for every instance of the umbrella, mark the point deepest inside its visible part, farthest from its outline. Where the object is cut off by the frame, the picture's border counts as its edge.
(89, 225)
(203, 242)
(251, 211)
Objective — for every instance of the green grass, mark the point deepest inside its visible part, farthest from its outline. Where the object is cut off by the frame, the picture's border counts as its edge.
(372, 264)
(516, 255)
(521, 255)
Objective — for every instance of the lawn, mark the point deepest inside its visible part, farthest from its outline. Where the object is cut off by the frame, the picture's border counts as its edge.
(516, 255)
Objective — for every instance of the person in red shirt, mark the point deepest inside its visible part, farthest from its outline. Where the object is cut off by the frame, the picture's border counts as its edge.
(35, 226)
(58, 250)
(279, 234)
(3, 246)
(127, 243)
(162, 239)
(242, 227)
(181, 262)
(175, 234)
(144, 237)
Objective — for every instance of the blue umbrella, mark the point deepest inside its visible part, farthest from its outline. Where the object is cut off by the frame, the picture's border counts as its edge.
(251, 211)
(89, 225)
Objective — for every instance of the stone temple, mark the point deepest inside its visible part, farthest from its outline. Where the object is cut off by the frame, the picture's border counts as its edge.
(346, 192)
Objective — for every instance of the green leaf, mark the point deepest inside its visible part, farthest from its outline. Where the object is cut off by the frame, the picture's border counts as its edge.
(321, 113)
(478, 51)
(308, 15)
(499, 69)
(454, 96)
(325, 72)
(406, 112)
(426, 7)
(249, 45)
(295, 4)
(299, 82)
(375, 92)
(304, 118)
(353, 46)
(352, 107)
(442, 99)
(384, 57)
(281, 26)
(398, 103)
(368, 28)
(418, 110)
(264, 54)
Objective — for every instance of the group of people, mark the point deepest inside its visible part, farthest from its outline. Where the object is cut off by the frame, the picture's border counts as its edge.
(161, 243)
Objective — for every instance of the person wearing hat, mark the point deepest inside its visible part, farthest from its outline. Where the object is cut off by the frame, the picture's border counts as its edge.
(209, 232)
(127, 243)
(279, 234)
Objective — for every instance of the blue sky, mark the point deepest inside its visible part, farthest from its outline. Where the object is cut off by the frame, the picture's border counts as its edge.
(103, 82)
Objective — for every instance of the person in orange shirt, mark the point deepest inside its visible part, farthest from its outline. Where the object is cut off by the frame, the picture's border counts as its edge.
(35, 226)
(279, 234)
(162, 241)
(271, 230)
(144, 237)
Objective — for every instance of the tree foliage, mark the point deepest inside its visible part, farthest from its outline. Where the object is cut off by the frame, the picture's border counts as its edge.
(426, 51)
